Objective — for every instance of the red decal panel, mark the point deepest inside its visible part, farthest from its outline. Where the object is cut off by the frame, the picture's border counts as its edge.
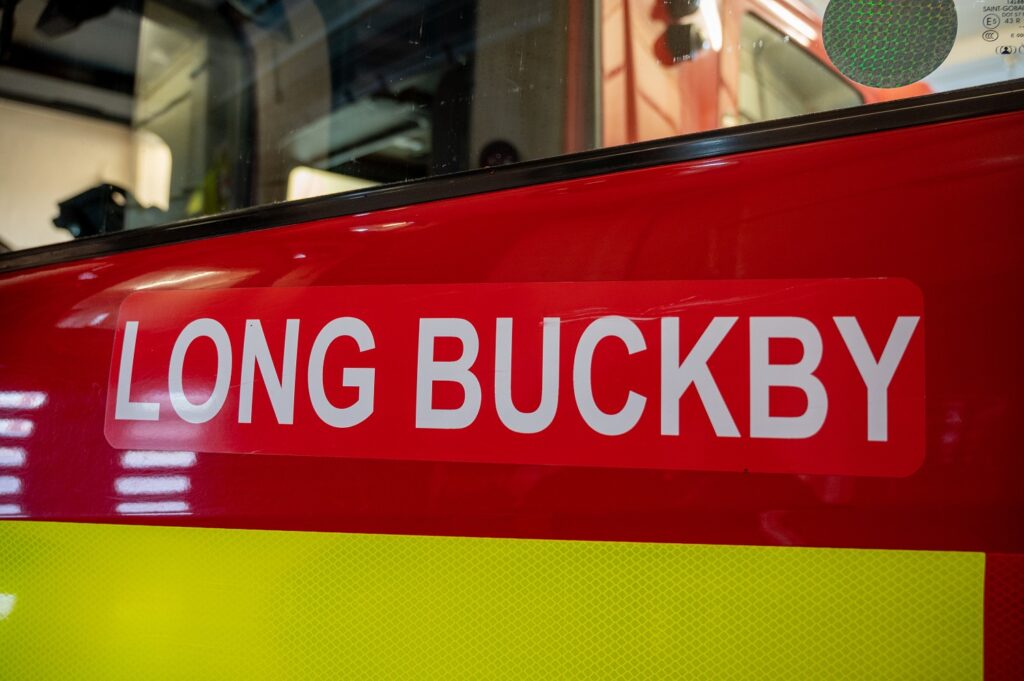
(818, 376)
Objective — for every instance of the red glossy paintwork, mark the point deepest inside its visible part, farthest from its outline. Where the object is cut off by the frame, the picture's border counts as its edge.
(1004, 616)
(936, 205)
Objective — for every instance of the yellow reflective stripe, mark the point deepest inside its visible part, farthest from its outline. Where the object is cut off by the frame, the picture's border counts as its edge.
(110, 602)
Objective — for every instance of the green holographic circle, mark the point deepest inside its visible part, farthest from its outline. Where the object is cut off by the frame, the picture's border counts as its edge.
(889, 43)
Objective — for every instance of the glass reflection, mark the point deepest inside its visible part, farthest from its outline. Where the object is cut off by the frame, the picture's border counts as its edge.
(18, 399)
(12, 457)
(146, 459)
(10, 484)
(165, 484)
(161, 490)
(6, 605)
(16, 428)
(11, 511)
(153, 508)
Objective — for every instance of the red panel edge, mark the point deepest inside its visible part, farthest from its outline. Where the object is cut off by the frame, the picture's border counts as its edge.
(1004, 616)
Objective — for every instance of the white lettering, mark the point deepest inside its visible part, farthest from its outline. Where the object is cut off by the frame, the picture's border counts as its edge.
(429, 371)
(124, 408)
(361, 378)
(677, 378)
(764, 376)
(255, 352)
(877, 375)
(602, 422)
(204, 411)
(540, 418)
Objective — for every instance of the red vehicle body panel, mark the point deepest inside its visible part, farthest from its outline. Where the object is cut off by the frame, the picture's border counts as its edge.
(927, 204)
(933, 205)
(882, 218)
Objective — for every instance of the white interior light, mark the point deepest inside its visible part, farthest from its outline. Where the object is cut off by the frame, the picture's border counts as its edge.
(12, 457)
(712, 23)
(305, 183)
(16, 428)
(21, 399)
(147, 459)
(159, 484)
(9, 484)
(152, 170)
(807, 32)
(152, 507)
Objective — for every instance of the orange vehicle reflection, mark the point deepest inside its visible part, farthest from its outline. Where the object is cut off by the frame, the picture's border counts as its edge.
(679, 67)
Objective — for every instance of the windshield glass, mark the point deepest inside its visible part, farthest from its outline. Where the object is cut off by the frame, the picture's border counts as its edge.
(122, 114)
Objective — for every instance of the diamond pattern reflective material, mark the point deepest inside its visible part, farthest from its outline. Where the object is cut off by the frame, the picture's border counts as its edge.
(889, 43)
(118, 602)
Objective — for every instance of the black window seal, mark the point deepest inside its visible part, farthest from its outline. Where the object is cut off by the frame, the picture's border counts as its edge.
(974, 102)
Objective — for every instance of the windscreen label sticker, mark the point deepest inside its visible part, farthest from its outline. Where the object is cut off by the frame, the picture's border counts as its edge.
(1002, 25)
(802, 376)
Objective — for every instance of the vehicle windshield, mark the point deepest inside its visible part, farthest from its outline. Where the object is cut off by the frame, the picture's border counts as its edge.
(121, 114)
